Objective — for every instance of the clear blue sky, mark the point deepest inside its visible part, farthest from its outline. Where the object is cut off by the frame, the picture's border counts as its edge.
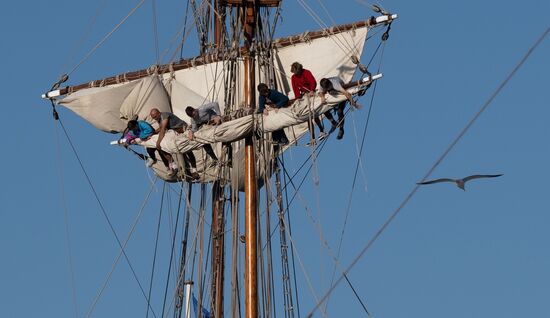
(479, 253)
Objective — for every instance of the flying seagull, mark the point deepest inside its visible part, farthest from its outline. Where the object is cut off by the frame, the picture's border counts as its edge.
(460, 182)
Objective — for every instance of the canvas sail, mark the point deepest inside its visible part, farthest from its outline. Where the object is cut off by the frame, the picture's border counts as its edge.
(109, 108)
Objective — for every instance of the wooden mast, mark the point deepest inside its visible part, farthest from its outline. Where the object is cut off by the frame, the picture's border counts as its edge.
(218, 195)
(251, 191)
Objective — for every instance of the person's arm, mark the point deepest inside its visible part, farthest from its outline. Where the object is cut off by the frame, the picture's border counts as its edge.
(338, 86)
(194, 125)
(216, 108)
(162, 131)
(311, 83)
(282, 100)
(322, 95)
(261, 106)
(350, 99)
(191, 135)
(124, 133)
(348, 96)
(295, 87)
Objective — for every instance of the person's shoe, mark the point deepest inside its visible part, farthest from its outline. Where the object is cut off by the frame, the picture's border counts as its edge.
(322, 136)
(340, 134)
(150, 162)
(311, 142)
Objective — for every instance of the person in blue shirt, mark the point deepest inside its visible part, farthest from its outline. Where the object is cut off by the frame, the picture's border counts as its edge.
(276, 99)
(143, 130)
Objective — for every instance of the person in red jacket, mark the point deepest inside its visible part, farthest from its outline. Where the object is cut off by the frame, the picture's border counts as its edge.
(303, 83)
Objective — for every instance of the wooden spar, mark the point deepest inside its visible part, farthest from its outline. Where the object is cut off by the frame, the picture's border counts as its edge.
(218, 193)
(218, 243)
(218, 22)
(250, 188)
(218, 56)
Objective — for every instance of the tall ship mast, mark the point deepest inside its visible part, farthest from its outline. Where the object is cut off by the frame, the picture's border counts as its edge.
(222, 264)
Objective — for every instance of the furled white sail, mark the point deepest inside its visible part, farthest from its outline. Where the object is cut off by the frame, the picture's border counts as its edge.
(293, 119)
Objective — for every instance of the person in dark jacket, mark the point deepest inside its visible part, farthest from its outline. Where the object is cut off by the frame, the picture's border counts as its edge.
(275, 99)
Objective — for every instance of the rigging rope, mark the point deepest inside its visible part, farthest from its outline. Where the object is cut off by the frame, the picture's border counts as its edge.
(77, 46)
(117, 259)
(155, 31)
(348, 207)
(180, 279)
(434, 166)
(183, 256)
(287, 287)
(104, 212)
(155, 251)
(67, 232)
(326, 245)
(291, 246)
(341, 43)
(184, 28)
(106, 37)
(171, 253)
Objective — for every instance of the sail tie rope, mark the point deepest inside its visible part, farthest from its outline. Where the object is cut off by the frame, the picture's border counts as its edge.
(304, 37)
(102, 208)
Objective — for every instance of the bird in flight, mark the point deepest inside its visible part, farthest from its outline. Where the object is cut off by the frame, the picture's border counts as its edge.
(460, 182)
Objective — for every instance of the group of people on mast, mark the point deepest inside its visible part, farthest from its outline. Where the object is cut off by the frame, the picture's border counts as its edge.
(303, 83)
(208, 113)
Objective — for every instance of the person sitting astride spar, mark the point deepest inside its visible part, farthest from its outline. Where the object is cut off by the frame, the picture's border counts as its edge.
(303, 83)
(206, 114)
(333, 85)
(143, 130)
(168, 121)
(275, 99)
